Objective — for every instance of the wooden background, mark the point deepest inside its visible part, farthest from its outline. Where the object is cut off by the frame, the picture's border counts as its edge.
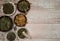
(43, 20)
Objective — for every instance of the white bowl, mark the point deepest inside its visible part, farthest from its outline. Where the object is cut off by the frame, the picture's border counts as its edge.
(11, 13)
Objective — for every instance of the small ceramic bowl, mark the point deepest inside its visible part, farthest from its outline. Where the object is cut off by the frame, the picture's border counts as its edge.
(12, 12)
(20, 20)
(23, 6)
(11, 36)
(22, 33)
(5, 23)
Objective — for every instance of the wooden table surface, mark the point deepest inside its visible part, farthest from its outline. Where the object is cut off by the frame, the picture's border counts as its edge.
(43, 20)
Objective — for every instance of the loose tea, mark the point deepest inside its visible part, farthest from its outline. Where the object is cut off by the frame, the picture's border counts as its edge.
(23, 6)
(20, 33)
(8, 8)
(6, 23)
(11, 36)
(20, 20)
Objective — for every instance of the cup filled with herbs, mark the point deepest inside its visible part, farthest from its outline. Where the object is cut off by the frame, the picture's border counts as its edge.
(8, 8)
(23, 6)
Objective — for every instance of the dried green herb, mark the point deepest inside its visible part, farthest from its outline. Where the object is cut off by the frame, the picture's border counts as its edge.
(5, 23)
(11, 36)
(23, 6)
(20, 33)
(8, 8)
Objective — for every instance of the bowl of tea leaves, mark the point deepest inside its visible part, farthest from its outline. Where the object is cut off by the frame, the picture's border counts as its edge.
(20, 20)
(11, 36)
(21, 34)
(6, 23)
(23, 6)
(8, 8)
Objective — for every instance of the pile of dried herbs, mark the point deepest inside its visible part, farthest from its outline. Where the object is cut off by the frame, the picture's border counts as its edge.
(20, 20)
(20, 33)
(8, 8)
(6, 23)
(23, 6)
(11, 36)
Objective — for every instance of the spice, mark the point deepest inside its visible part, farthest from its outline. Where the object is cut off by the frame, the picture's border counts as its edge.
(11, 36)
(23, 6)
(20, 33)
(8, 8)
(20, 20)
(6, 23)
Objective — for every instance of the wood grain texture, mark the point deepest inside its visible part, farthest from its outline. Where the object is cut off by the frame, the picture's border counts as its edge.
(43, 20)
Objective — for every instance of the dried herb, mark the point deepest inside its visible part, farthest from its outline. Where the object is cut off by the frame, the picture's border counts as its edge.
(20, 20)
(20, 33)
(23, 6)
(6, 23)
(8, 8)
(11, 36)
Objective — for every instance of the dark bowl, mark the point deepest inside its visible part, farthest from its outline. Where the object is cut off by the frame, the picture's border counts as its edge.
(20, 33)
(27, 3)
(25, 20)
(11, 36)
(11, 23)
